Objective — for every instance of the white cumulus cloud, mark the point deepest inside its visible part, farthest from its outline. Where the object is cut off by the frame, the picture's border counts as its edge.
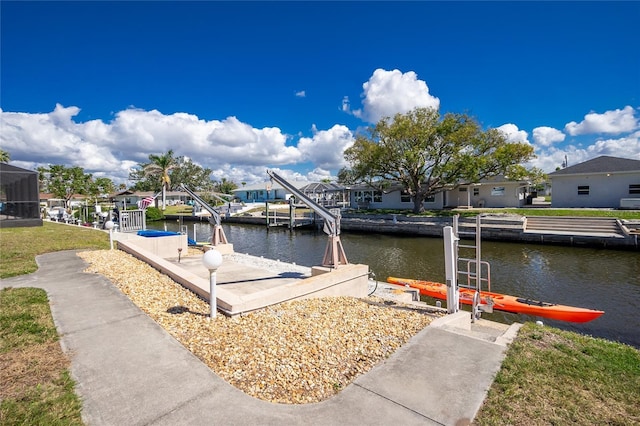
(230, 147)
(546, 136)
(610, 122)
(514, 134)
(325, 149)
(388, 93)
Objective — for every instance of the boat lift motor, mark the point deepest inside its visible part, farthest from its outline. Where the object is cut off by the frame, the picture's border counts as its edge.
(334, 253)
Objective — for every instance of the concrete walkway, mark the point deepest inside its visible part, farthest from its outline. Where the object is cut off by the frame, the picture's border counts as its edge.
(129, 371)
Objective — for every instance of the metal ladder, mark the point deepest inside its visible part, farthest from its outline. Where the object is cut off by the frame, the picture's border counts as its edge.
(472, 270)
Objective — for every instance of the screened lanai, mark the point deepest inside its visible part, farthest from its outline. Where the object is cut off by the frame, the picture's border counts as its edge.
(19, 197)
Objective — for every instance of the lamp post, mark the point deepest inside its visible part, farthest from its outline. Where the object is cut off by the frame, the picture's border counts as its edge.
(212, 259)
(109, 225)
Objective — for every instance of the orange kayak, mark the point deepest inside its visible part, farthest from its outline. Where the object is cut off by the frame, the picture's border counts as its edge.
(504, 302)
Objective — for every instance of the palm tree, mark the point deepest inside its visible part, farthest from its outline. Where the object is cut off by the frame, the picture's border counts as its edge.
(4, 156)
(160, 166)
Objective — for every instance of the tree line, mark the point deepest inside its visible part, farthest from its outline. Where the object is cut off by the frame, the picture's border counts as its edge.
(156, 175)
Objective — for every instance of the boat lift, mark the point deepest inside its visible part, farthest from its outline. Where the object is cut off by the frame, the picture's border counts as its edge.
(218, 236)
(334, 253)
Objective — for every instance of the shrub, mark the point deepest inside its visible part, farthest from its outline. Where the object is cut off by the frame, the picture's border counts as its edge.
(153, 214)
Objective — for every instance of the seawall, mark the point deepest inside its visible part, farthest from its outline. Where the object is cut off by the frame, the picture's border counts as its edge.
(508, 228)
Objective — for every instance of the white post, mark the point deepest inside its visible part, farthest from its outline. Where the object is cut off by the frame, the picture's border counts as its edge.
(212, 260)
(451, 272)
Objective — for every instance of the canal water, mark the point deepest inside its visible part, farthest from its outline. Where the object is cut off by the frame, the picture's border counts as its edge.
(602, 279)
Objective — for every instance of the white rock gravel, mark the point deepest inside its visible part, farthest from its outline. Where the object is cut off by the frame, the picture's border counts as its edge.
(297, 352)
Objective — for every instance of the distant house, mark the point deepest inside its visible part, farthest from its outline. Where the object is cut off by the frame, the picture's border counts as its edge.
(261, 192)
(497, 192)
(129, 199)
(603, 182)
(19, 197)
(327, 194)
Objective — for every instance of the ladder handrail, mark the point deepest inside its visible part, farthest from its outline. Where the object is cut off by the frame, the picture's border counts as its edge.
(477, 273)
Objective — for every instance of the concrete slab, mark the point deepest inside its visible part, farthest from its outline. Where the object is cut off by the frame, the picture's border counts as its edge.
(441, 375)
(241, 288)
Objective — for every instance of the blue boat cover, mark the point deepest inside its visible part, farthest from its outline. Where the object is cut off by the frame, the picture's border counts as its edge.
(157, 233)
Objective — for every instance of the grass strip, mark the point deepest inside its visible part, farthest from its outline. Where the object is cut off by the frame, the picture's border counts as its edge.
(552, 376)
(35, 384)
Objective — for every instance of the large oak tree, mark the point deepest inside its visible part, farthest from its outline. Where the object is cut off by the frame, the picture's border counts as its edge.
(427, 154)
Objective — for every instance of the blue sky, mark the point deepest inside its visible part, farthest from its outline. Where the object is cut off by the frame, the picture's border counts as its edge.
(240, 87)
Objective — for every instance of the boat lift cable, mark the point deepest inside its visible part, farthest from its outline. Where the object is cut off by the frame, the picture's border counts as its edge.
(218, 236)
(334, 254)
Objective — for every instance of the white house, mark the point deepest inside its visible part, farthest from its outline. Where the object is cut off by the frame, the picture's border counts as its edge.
(603, 182)
(497, 192)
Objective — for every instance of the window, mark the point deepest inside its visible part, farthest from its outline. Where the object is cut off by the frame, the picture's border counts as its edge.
(368, 196)
(583, 190)
(462, 189)
(430, 199)
(476, 192)
(404, 196)
(634, 188)
(497, 191)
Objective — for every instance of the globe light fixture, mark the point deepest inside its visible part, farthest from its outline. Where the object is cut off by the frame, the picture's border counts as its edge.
(212, 260)
(109, 226)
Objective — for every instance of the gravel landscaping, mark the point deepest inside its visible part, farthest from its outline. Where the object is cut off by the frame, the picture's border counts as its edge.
(297, 352)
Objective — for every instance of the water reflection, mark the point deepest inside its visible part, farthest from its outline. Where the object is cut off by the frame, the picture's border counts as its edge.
(593, 278)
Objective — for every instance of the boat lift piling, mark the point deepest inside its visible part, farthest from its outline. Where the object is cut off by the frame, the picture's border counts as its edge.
(451, 269)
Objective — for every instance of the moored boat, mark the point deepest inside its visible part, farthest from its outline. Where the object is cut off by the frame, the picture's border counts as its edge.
(504, 302)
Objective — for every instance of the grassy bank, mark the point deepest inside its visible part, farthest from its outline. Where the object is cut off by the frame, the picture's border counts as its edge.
(549, 376)
(20, 246)
(35, 385)
(552, 376)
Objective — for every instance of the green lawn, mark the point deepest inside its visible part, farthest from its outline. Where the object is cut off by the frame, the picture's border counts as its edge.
(35, 385)
(20, 246)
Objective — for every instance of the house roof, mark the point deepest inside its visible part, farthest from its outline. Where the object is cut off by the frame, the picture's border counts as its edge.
(8, 168)
(10, 174)
(263, 186)
(602, 164)
(314, 187)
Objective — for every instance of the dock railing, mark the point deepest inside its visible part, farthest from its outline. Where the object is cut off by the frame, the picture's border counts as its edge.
(132, 221)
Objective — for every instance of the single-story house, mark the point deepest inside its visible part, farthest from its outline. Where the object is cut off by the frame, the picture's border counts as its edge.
(128, 198)
(603, 182)
(497, 192)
